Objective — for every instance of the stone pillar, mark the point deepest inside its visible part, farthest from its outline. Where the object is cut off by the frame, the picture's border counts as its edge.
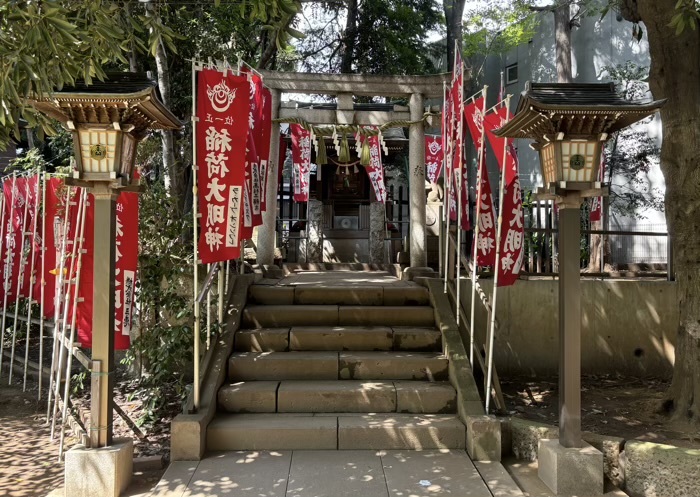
(103, 316)
(377, 232)
(314, 225)
(416, 183)
(267, 231)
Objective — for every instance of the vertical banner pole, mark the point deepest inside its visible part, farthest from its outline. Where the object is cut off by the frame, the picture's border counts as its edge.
(479, 172)
(492, 328)
(76, 290)
(447, 163)
(32, 268)
(208, 329)
(20, 278)
(3, 206)
(57, 301)
(221, 295)
(42, 280)
(8, 269)
(64, 318)
(195, 386)
(460, 187)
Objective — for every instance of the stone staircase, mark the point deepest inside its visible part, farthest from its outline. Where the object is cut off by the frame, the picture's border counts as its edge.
(337, 367)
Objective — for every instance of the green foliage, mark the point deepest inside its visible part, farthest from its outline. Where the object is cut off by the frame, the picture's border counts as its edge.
(164, 348)
(32, 160)
(688, 15)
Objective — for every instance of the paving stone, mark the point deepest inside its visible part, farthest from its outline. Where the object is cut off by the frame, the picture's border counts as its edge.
(386, 316)
(262, 340)
(348, 473)
(419, 339)
(431, 473)
(251, 366)
(271, 295)
(336, 396)
(341, 338)
(250, 396)
(497, 478)
(244, 474)
(392, 366)
(425, 397)
(400, 432)
(271, 432)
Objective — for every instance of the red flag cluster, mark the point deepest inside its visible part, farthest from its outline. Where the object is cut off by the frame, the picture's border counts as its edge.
(233, 147)
(65, 225)
(433, 158)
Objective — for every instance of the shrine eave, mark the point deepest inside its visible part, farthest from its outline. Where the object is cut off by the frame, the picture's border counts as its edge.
(546, 110)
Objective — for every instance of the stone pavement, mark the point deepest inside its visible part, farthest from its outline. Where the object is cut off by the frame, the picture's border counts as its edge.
(330, 473)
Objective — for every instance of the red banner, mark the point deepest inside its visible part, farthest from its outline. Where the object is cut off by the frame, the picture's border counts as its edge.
(301, 160)
(264, 149)
(433, 158)
(511, 228)
(375, 169)
(253, 159)
(281, 159)
(54, 216)
(34, 244)
(14, 190)
(597, 202)
(223, 113)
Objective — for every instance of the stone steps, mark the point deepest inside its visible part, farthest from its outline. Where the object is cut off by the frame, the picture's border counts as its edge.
(334, 431)
(395, 365)
(338, 338)
(339, 295)
(344, 396)
(276, 316)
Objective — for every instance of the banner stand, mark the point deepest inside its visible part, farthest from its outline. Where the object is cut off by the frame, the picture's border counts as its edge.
(32, 279)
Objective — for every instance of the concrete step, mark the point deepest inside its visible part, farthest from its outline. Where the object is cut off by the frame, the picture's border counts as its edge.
(311, 432)
(278, 366)
(278, 316)
(426, 366)
(340, 396)
(370, 295)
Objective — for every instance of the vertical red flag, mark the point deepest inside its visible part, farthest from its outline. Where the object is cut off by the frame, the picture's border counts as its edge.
(264, 149)
(597, 207)
(301, 160)
(433, 158)
(486, 242)
(254, 146)
(54, 211)
(32, 249)
(12, 242)
(458, 163)
(511, 229)
(375, 168)
(281, 159)
(223, 113)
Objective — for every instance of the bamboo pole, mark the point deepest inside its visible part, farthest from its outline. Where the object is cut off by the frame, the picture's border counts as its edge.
(460, 187)
(222, 276)
(492, 328)
(7, 268)
(480, 158)
(64, 318)
(208, 330)
(195, 387)
(42, 278)
(35, 222)
(76, 290)
(57, 300)
(20, 278)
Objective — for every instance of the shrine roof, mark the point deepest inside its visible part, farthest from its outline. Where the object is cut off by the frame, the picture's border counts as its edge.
(125, 98)
(575, 109)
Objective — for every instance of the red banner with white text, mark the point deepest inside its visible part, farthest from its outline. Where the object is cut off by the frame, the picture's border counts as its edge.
(433, 158)
(597, 202)
(14, 190)
(375, 168)
(223, 104)
(301, 161)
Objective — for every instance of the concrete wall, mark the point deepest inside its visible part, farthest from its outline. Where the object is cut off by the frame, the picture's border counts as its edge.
(628, 326)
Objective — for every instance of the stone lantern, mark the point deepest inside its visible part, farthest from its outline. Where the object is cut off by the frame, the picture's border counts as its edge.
(569, 124)
(107, 120)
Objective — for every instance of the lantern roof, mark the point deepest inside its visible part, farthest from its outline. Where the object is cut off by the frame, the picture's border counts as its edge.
(130, 99)
(578, 110)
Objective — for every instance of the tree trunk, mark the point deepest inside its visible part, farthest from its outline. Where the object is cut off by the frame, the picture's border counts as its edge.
(674, 74)
(562, 36)
(454, 10)
(349, 38)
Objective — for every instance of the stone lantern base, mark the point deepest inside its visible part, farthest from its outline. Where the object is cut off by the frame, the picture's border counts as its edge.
(105, 471)
(570, 471)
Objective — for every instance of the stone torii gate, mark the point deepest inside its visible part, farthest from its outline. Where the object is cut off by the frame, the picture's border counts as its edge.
(345, 86)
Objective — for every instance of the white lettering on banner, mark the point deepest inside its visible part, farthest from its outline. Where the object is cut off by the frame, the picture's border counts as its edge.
(213, 238)
(9, 257)
(217, 141)
(221, 96)
(215, 190)
(485, 244)
(514, 240)
(263, 177)
(256, 187)
(216, 164)
(215, 214)
(297, 180)
(234, 214)
(129, 278)
(485, 221)
(247, 214)
(432, 171)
